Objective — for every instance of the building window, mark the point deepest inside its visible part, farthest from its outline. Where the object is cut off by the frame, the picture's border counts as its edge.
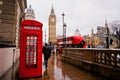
(0, 20)
(1, 2)
(0, 11)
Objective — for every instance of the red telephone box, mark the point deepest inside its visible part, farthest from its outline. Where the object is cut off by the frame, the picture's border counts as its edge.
(30, 49)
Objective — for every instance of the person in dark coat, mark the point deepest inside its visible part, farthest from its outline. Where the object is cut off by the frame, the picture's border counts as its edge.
(46, 52)
(51, 47)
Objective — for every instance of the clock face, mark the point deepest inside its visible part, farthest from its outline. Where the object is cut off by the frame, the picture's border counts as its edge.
(53, 20)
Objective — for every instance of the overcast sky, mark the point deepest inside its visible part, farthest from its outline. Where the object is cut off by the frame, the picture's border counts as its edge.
(79, 14)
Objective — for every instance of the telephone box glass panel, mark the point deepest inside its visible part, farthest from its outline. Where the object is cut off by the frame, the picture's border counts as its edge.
(31, 51)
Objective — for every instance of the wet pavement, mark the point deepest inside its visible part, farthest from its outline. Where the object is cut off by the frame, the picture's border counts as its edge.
(57, 70)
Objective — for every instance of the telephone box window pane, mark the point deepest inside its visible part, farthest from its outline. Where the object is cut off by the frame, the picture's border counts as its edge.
(27, 60)
(35, 48)
(28, 37)
(30, 54)
(31, 51)
(35, 61)
(27, 54)
(34, 54)
(35, 38)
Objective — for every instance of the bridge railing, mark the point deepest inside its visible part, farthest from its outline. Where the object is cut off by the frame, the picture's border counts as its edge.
(109, 57)
(95, 60)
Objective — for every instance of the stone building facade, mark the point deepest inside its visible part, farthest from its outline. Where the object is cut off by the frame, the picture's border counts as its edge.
(101, 32)
(11, 14)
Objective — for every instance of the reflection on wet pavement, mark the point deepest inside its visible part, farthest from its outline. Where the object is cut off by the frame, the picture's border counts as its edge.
(58, 70)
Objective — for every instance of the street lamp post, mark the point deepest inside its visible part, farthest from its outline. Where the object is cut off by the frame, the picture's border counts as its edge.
(107, 38)
(107, 43)
(64, 32)
(63, 27)
(63, 22)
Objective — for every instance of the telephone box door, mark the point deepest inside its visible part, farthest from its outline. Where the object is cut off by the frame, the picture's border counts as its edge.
(31, 54)
(32, 57)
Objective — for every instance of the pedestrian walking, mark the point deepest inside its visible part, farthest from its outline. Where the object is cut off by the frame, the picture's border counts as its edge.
(51, 47)
(46, 52)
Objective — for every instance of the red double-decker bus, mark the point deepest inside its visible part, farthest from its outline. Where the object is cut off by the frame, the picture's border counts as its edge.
(71, 42)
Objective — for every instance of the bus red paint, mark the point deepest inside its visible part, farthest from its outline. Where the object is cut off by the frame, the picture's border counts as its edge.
(71, 42)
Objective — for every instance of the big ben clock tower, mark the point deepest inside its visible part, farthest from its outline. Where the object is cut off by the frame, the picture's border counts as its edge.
(52, 27)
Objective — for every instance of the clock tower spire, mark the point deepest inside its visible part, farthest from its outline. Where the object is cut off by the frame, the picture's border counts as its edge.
(52, 11)
(52, 26)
